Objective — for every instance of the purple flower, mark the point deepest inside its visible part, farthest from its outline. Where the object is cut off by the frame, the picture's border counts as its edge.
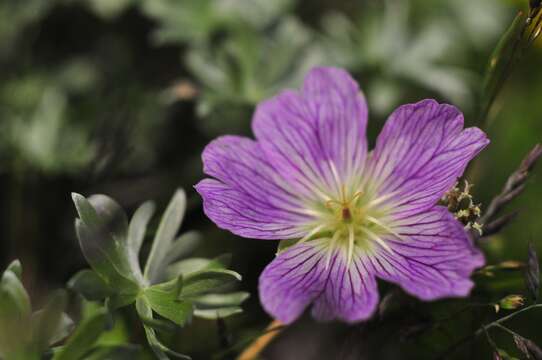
(356, 215)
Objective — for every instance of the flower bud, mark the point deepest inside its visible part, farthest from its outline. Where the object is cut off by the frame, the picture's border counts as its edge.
(512, 302)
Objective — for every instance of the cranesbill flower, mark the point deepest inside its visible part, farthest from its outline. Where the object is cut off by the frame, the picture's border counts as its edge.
(356, 215)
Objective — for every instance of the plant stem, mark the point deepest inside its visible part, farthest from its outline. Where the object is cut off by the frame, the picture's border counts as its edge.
(497, 323)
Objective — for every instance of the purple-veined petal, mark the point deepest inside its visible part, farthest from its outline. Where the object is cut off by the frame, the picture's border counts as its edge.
(247, 196)
(420, 153)
(244, 215)
(304, 274)
(316, 136)
(433, 258)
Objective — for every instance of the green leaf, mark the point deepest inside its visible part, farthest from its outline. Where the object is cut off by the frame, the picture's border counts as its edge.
(116, 352)
(13, 292)
(136, 234)
(164, 299)
(16, 268)
(14, 317)
(90, 285)
(169, 226)
(215, 301)
(84, 337)
(192, 265)
(102, 231)
(65, 327)
(213, 314)
(104, 261)
(182, 246)
(208, 281)
(47, 323)
(145, 311)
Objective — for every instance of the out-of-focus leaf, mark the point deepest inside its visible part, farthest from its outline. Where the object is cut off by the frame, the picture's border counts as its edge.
(230, 73)
(164, 299)
(116, 352)
(109, 9)
(196, 21)
(14, 318)
(532, 272)
(13, 296)
(65, 327)
(90, 285)
(47, 141)
(208, 281)
(500, 59)
(16, 268)
(169, 226)
(47, 323)
(84, 337)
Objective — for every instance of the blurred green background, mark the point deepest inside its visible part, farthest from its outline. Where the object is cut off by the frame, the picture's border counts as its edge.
(120, 97)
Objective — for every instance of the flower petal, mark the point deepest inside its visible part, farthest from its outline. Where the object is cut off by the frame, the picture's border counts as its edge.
(247, 197)
(317, 135)
(421, 152)
(303, 275)
(433, 258)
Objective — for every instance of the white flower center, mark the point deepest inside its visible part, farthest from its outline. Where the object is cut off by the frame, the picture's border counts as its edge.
(352, 219)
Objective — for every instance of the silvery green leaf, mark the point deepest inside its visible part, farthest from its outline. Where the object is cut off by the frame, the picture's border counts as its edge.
(14, 300)
(192, 265)
(90, 285)
(208, 281)
(112, 216)
(16, 268)
(47, 323)
(213, 314)
(84, 337)
(215, 301)
(65, 327)
(103, 258)
(102, 231)
(182, 246)
(532, 273)
(169, 226)
(14, 315)
(136, 234)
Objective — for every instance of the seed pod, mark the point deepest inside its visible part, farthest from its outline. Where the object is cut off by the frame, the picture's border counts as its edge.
(532, 273)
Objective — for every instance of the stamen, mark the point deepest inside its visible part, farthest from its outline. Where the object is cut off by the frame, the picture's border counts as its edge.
(377, 239)
(382, 199)
(351, 238)
(331, 248)
(312, 233)
(384, 226)
(338, 182)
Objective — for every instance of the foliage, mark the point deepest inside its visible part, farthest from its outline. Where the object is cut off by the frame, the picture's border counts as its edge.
(169, 291)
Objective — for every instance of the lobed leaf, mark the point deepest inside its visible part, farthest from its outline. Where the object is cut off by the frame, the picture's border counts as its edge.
(169, 226)
(90, 285)
(208, 281)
